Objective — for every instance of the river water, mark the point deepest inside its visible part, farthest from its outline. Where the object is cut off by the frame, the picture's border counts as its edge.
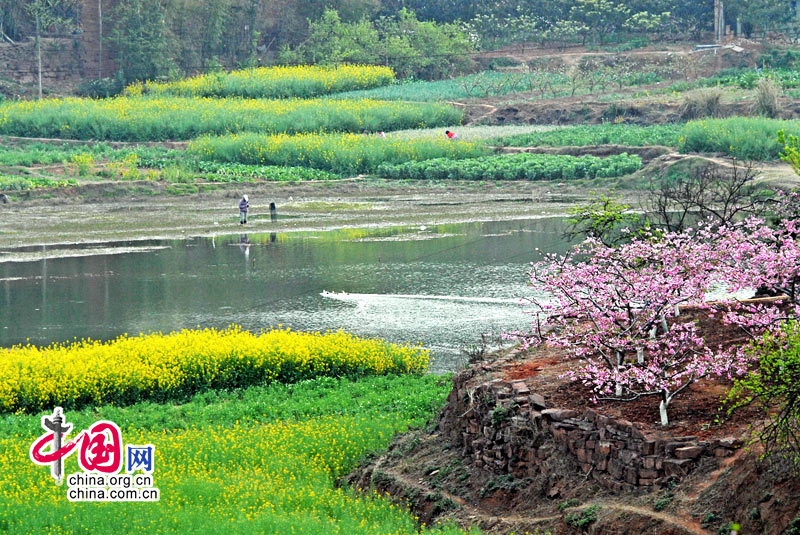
(442, 286)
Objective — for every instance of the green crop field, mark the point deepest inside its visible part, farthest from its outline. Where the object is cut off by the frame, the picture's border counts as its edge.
(515, 167)
(264, 459)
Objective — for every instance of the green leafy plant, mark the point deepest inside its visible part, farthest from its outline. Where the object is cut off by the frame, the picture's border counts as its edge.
(572, 502)
(583, 519)
(662, 502)
(774, 387)
(84, 163)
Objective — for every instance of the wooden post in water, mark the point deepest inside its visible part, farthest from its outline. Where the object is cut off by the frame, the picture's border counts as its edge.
(273, 212)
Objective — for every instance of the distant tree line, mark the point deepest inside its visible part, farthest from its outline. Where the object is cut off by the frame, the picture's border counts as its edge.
(420, 38)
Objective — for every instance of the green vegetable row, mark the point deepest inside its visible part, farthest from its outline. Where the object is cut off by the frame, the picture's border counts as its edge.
(522, 166)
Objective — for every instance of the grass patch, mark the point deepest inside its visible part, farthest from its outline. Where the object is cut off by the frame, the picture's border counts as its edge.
(746, 138)
(522, 166)
(175, 118)
(604, 134)
(177, 365)
(259, 460)
(338, 153)
(302, 81)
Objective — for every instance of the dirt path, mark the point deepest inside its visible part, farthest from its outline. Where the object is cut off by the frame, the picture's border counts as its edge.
(487, 520)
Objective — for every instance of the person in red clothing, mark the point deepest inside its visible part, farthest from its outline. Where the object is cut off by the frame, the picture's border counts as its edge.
(450, 135)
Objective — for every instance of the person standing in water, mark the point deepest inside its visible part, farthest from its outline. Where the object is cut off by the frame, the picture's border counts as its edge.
(244, 204)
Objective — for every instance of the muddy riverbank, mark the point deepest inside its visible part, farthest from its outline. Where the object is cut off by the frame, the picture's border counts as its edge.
(130, 211)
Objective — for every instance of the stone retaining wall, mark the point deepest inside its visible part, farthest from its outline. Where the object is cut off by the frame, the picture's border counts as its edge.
(508, 429)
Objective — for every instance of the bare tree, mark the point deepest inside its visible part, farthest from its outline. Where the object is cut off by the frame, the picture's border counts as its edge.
(46, 13)
(713, 191)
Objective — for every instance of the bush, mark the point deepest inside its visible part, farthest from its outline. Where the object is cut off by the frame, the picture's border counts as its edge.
(521, 166)
(340, 153)
(746, 138)
(412, 48)
(701, 103)
(767, 93)
(101, 88)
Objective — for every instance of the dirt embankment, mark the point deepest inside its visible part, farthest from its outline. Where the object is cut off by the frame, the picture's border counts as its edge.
(591, 110)
(531, 476)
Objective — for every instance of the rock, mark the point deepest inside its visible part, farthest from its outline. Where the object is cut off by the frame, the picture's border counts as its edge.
(628, 456)
(722, 452)
(559, 415)
(730, 442)
(688, 452)
(537, 401)
(677, 467)
(520, 388)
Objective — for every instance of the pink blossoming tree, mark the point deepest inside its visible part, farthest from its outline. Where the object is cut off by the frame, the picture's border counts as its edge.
(617, 310)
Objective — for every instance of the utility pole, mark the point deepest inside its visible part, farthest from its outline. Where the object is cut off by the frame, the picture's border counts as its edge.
(99, 39)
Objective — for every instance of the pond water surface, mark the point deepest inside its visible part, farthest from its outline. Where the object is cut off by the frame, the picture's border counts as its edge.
(441, 286)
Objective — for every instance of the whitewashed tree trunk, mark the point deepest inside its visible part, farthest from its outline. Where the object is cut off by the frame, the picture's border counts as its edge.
(618, 386)
(640, 355)
(662, 408)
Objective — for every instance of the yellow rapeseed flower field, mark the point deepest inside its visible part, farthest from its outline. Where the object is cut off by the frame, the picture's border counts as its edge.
(341, 153)
(158, 367)
(158, 118)
(302, 81)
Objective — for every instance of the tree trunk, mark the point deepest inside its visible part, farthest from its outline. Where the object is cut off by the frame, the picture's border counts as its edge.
(662, 408)
(618, 386)
(39, 54)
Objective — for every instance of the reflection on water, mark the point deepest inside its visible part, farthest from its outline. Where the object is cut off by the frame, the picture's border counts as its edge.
(441, 286)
